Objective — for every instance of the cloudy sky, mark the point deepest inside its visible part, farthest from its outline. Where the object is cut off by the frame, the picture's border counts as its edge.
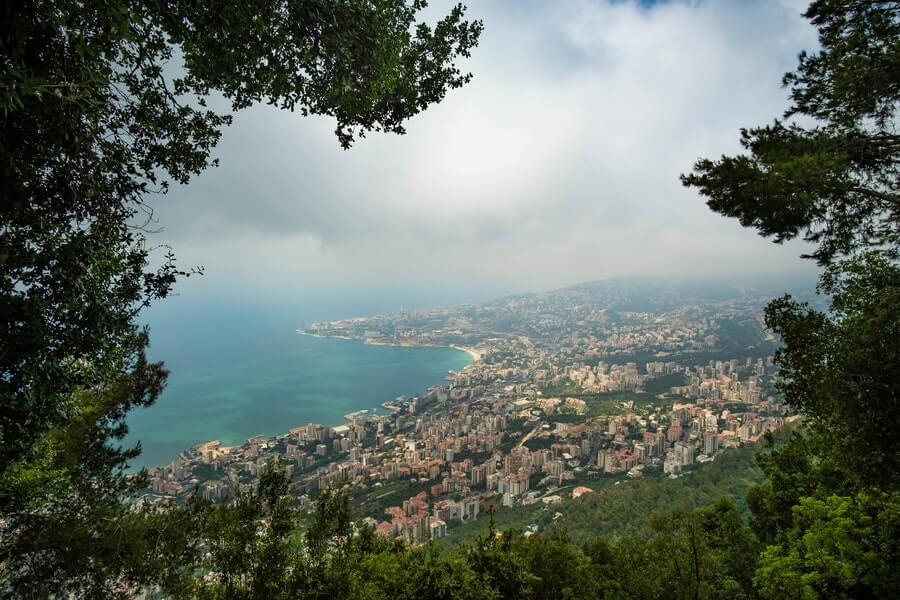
(558, 164)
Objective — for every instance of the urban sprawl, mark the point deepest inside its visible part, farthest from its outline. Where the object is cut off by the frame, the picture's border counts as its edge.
(569, 391)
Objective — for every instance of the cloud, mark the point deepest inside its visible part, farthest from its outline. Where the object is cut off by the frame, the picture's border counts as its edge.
(559, 163)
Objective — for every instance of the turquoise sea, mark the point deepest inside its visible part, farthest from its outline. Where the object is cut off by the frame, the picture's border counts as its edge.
(237, 380)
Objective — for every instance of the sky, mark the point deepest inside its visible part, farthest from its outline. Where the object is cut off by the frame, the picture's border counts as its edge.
(557, 164)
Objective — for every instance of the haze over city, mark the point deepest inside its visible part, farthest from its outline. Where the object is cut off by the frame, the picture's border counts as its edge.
(557, 164)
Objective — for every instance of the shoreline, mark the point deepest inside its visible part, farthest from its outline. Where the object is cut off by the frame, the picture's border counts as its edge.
(324, 337)
(367, 412)
(472, 352)
(475, 354)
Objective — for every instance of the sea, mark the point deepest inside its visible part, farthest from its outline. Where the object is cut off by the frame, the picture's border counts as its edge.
(234, 375)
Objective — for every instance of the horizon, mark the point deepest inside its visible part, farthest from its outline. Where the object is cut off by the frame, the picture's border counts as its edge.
(205, 331)
(558, 163)
(380, 301)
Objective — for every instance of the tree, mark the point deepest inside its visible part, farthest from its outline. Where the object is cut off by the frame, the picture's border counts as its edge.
(244, 549)
(840, 367)
(558, 568)
(94, 122)
(708, 553)
(834, 181)
(257, 547)
(838, 547)
(329, 545)
(493, 558)
(792, 472)
(829, 498)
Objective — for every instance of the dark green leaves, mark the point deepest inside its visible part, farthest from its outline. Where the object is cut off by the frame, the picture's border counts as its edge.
(94, 120)
(855, 75)
(828, 507)
(831, 179)
(370, 65)
(839, 368)
(836, 190)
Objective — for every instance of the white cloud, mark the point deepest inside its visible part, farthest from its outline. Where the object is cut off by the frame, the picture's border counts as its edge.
(559, 163)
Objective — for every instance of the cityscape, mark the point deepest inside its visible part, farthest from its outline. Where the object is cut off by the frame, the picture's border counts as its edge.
(568, 391)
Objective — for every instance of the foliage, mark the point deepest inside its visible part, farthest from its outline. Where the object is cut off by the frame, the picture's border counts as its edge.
(824, 521)
(835, 180)
(256, 547)
(628, 508)
(709, 553)
(791, 472)
(492, 557)
(64, 524)
(840, 368)
(828, 507)
(93, 123)
(95, 120)
(558, 569)
(663, 383)
(837, 547)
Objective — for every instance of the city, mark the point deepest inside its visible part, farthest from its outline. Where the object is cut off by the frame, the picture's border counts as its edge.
(570, 391)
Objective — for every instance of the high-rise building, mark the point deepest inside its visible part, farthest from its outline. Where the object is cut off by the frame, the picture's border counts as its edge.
(684, 453)
(477, 476)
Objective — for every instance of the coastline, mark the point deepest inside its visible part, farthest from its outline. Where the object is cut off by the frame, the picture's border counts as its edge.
(316, 335)
(365, 412)
(350, 417)
(475, 354)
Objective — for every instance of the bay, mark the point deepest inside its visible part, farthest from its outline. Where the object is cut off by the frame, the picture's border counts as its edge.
(236, 380)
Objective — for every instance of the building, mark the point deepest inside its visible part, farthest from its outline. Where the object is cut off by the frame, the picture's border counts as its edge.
(684, 454)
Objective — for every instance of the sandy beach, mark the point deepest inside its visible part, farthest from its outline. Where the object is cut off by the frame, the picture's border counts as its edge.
(475, 354)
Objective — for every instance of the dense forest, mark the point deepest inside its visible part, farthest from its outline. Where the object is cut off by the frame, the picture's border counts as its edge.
(93, 126)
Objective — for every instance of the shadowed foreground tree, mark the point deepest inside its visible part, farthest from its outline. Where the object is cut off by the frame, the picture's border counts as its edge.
(255, 551)
(828, 508)
(92, 123)
(833, 179)
(257, 547)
